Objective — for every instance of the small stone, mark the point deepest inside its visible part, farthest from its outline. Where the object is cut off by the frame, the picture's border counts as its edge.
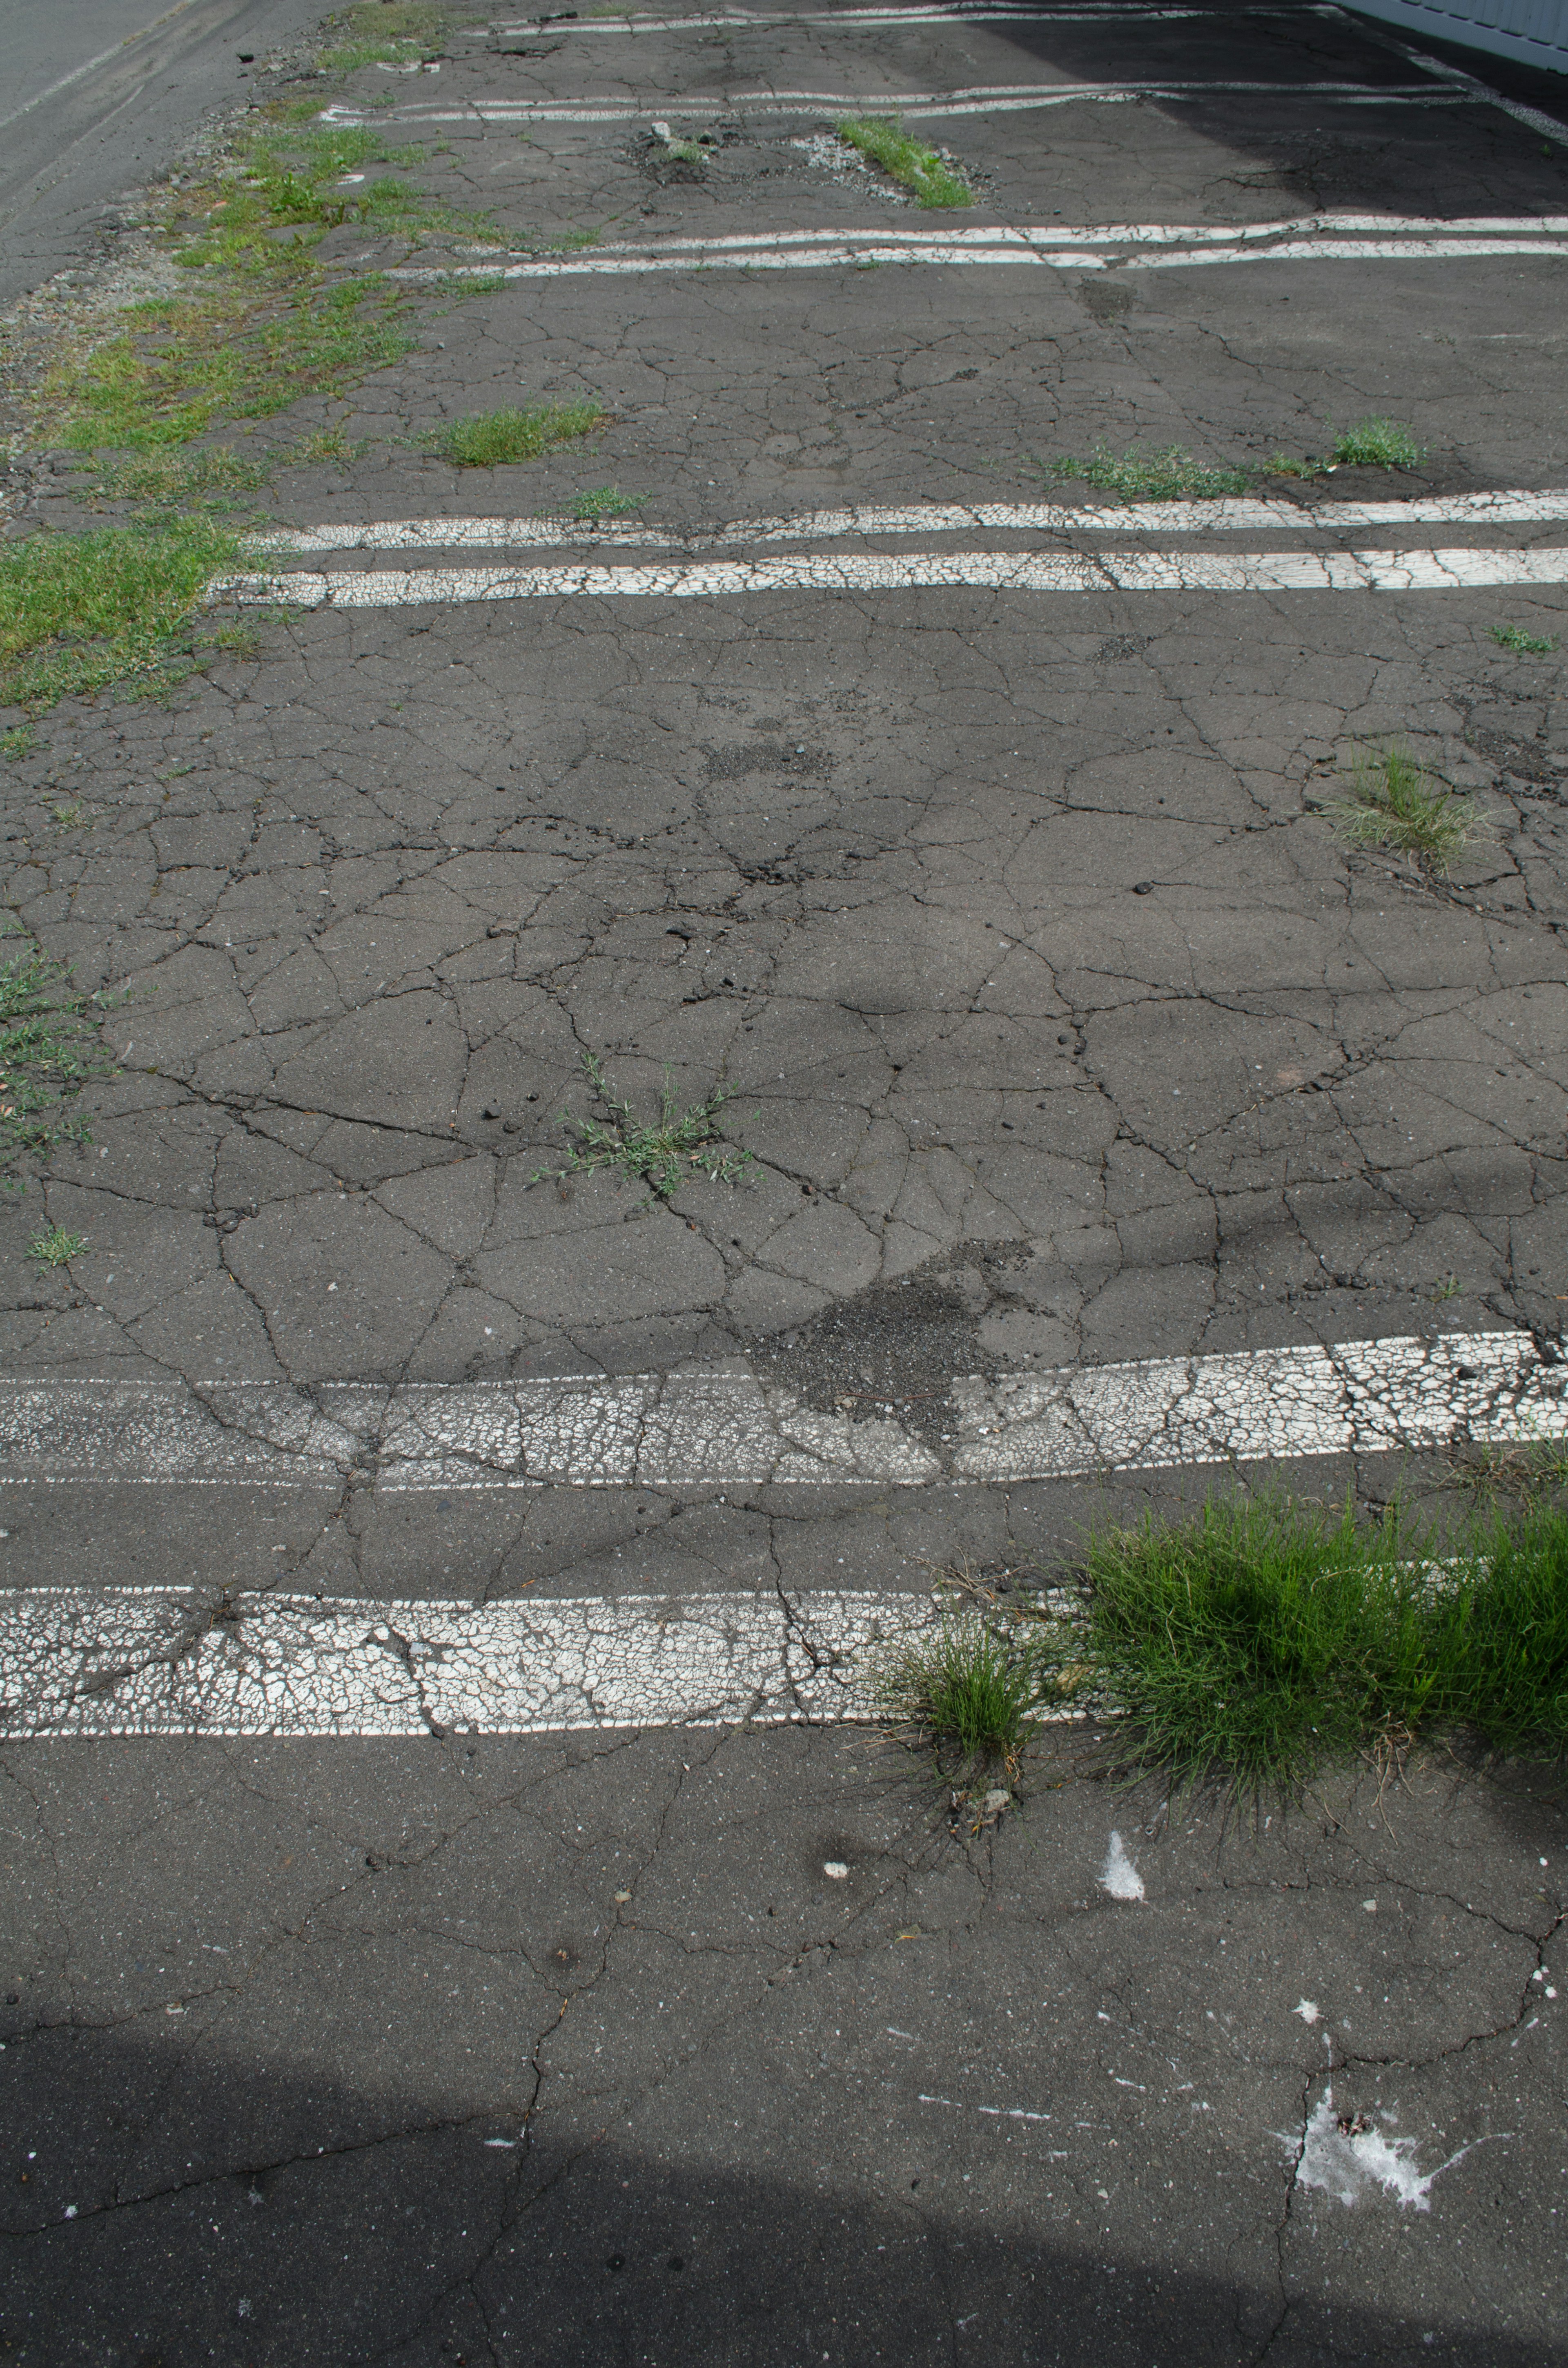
(621, 1898)
(994, 1803)
(835, 1870)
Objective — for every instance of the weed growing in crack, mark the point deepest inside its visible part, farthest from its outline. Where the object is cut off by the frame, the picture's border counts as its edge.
(393, 32)
(1290, 465)
(1394, 802)
(962, 1690)
(20, 742)
(680, 1146)
(49, 1047)
(609, 501)
(52, 1245)
(86, 612)
(1521, 1467)
(1378, 444)
(931, 179)
(1532, 645)
(487, 439)
(1168, 476)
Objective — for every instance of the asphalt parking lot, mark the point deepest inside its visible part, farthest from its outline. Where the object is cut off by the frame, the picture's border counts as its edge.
(457, 1906)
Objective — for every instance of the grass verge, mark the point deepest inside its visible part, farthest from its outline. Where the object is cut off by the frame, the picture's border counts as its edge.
(49, 1047)
(487, 439)
(930, 179)
(679, 1145)
(83, 612)
(1394, 802)
(1263, 1641)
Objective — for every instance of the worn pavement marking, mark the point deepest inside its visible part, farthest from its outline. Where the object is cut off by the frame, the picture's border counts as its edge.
(159, 1661)
(992, 12)
(1231, 517)
(1104, 571)
(713, 1430)
(1143, 247)
(981, 99)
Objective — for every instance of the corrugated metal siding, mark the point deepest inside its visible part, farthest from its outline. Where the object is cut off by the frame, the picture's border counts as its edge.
(1533, 31)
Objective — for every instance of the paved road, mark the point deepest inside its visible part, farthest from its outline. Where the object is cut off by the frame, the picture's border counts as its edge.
(97, 98)
(450, 1907)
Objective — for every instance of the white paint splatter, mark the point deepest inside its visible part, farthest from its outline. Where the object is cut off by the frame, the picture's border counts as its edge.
(1121, 1877)
(1308, 2011)
(1345, 2157)
(835, 1870)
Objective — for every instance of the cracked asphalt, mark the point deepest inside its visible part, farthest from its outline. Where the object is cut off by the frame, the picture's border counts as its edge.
(1063, 1031)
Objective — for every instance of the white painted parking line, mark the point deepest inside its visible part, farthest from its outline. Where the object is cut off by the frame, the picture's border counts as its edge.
(994, 98)
(726, 1430)
(151, 1662)
(990, 571)
(1137, 247)
(1223, 517)
(853, 19)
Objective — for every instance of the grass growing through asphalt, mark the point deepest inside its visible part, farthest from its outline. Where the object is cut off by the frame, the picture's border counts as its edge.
(52, 1245)
(1167, 475)
(607, 502)
(675, 1148)
(1394, 802)
(964, 1691)
(49, 1047)
(928, 177)
(1378, 444)
(488, 438)
(81, 612)
(1533, 645)
(1264, 1640)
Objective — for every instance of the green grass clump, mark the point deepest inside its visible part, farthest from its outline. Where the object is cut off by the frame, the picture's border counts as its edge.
(1255, 1642)
(1496, 1637)
(166, 478)
(488, 438)
(1378, 444)
(79, 612)
(676, 1148)
(20, 742)
(1513, 637)
(49, 1047)
(930, 180)
(1394, 802)
(1169, 474)
(962, 1690)
(52, 1245)
(607, 502)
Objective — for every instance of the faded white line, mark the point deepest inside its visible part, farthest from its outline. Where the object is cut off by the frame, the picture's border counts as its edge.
(996, 98)
(1106, 571)
(719, 1431)
(1224, 517)
(996, 12)
(152, 1661)
(839, 252)
(1046, 236)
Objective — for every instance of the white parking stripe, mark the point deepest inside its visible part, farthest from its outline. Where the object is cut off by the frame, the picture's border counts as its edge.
(825, 251)
(996, 98)
(151, 1662)
(1226, 517)
(1103, 570)
(993, 12)
(723, 1431)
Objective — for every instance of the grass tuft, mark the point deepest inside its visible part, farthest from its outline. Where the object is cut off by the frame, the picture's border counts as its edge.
(679, 1145)
(1394, 802)
(49, 1047)
(607, 502)
(1169, 474)
(1378, 444)
(52, 1245)
(964, 1691)
(931, 180)
(20, 742)
(1513, 637)
(80, 612)
(489, 439)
